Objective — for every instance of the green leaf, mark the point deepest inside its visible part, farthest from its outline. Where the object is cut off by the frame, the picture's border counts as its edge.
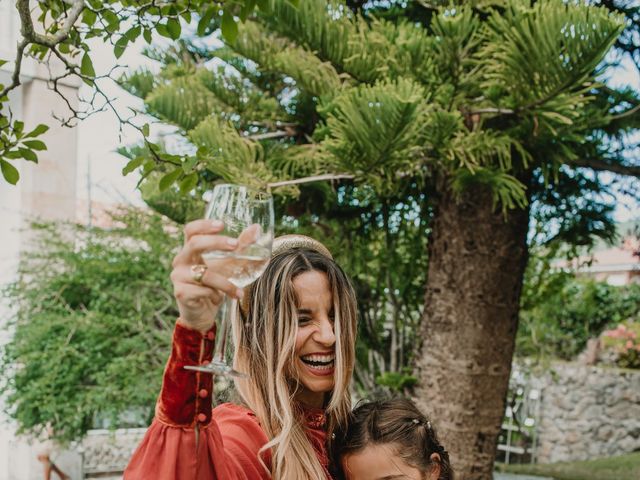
(27, 154)
(89, 17)
(120, 46)
(205, 21)
(263, 5)
(18, 128)
(9, 172)
(148, 166)
(36, 132)
(174, 29)
(13, 154)
(161, 28)
(133, 33)
(295, 3)
(147, 35)
(113, 22)
(202, 152)
(229, 27)
(167, 180)
(189, 182)
(132, 165)
(35, 144)
(2, 62)
(189, 163)
(145, 129)
(154, 146)
(247, 8)
(86, 66)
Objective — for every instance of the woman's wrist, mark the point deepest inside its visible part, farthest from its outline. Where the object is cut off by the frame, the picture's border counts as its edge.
(200, 326)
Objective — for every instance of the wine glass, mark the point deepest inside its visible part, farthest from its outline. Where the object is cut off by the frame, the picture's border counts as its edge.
(247, 214)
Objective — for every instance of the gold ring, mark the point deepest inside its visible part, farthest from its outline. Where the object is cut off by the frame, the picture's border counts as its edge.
(197, 272)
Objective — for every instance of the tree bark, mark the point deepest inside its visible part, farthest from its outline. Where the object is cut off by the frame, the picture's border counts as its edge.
(477, 257)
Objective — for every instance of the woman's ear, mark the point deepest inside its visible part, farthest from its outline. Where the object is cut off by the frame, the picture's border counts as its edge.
(434, 472)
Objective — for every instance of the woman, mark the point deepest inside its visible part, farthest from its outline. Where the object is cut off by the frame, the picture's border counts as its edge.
(390, 439)
(296, 343)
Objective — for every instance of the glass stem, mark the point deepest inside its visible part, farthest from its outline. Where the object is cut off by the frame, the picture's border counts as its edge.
(228, 316)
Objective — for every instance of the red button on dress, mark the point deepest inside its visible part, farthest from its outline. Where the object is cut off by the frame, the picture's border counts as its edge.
(211, 335)
(202, 417)
(203, 393)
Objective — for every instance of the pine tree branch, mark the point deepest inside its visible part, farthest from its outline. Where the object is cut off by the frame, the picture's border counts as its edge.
(269, 135)
(315, 178)
(626, 114)
(601, 165)
(504, 111)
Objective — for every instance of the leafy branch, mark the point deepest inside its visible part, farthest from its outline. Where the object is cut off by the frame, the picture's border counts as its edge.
(62, 30)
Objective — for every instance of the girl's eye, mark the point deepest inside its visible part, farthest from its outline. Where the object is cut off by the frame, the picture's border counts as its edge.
(303, 320)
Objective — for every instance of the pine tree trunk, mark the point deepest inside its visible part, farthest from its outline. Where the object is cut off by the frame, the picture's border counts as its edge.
(477, 259)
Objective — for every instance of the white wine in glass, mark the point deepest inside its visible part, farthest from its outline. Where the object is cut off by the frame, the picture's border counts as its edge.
(247, 214)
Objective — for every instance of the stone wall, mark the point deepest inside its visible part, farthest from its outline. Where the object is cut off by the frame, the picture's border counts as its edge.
(106, 454)
(101, 454)
(587, 412)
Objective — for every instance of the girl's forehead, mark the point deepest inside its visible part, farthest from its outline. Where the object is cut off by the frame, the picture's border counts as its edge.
(378, 462)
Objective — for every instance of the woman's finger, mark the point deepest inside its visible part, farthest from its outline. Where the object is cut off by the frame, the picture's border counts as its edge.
(202, 227)
(248, 236)
(210, 280)
(199, 244)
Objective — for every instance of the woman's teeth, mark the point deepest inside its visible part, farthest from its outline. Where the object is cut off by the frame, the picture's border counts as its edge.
(321, 362)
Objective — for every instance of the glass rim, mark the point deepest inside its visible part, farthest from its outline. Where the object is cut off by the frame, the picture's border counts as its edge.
(260, 194)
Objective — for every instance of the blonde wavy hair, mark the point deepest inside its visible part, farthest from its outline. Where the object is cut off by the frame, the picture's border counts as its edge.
(265, 346)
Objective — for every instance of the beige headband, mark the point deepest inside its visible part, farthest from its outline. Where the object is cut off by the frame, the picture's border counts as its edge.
(284, 243)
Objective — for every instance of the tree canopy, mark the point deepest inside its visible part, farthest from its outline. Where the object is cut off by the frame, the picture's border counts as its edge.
(488, 114)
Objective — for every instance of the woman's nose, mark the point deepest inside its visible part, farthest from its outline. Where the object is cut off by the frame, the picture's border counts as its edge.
(325, 334)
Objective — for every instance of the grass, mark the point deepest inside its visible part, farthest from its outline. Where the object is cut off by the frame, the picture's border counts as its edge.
(623, 467)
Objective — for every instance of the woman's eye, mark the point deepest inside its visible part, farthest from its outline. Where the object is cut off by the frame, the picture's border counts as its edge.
(302, 320)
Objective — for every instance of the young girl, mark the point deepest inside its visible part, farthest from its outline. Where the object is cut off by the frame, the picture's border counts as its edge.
(296, 342)
(390, 440)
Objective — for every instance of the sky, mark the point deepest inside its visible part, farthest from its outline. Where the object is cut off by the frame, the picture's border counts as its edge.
(99, 165)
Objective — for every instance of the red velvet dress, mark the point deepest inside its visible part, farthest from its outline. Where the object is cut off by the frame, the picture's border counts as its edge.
(189, 441)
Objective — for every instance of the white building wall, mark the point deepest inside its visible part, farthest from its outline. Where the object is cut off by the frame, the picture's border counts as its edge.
(46, 190)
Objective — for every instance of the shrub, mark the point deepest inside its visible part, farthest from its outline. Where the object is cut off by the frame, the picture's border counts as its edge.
(560, 314)
(91, 327)
(623, 344)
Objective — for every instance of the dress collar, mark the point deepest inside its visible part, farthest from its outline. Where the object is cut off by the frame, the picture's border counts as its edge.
(314, 417)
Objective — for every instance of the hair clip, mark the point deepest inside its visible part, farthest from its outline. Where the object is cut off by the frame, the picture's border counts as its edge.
(416, 421)
(429, 425)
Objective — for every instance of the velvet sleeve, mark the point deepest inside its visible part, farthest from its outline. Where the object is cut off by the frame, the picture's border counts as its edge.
(184, 441)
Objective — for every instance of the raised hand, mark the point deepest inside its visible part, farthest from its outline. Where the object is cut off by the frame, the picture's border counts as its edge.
(198, 290)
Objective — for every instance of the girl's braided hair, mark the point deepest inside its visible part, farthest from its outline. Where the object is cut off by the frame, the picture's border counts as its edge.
(393, 421)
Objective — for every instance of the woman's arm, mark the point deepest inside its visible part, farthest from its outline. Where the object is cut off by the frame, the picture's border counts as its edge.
(184, 442)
